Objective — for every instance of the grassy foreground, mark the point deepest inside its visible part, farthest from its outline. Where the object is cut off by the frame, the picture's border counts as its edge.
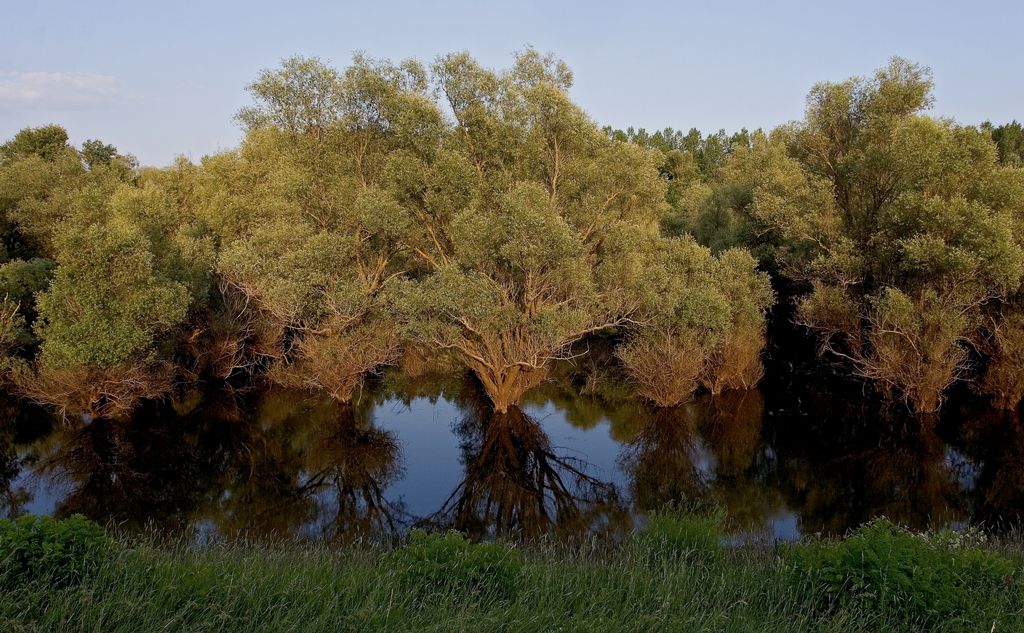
(69, 576)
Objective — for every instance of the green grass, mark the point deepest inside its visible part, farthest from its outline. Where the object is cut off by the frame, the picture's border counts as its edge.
(674, 577)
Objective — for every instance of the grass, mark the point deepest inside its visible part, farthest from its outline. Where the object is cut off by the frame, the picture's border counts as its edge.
(674, 577)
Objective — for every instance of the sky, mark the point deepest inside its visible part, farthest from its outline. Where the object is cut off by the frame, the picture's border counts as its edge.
(165, 79)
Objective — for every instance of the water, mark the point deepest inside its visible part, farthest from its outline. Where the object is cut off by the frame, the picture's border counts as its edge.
(794, 457)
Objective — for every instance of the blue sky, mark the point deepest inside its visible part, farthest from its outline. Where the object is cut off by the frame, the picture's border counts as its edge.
(161, 79)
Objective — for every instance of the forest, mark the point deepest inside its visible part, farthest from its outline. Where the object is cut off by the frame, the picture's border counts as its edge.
(453, 217)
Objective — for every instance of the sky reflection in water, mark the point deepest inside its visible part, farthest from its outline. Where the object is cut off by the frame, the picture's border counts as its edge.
(275, 463)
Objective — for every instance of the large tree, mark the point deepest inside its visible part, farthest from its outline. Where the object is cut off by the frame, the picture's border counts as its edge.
(514, 279)
(901, 225)
(311, 216)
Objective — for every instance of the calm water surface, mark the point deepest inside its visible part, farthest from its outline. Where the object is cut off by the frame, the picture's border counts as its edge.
(789, 459)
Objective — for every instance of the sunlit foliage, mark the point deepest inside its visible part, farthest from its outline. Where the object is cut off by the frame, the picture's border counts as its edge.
(902, 229)
(454, 213)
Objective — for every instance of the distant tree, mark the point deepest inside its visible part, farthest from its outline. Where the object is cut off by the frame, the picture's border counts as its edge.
(96, 153)
(47, 142)
(1009, 139)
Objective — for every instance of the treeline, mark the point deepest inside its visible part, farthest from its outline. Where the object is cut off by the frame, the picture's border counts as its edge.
(395, 214)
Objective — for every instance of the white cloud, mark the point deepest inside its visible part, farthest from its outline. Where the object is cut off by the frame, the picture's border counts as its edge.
(55, 90)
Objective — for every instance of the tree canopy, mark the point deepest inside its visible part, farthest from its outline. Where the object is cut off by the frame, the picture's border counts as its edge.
(387, 213)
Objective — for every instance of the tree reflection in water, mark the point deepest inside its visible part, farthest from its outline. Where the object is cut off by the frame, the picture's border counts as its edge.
(19, 427)
(516, 485)
(354, 462)
(13, 496)
(880, 464)
(307, 466)
(745, 472)
(667, 462)
(708, 452)
(291, 466)
(154, 470)
(990, 467)
(282, 464)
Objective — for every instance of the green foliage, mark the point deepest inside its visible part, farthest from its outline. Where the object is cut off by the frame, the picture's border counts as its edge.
(20, 280)
(326, 204)
(867, 197)
(14, 332)
(586, 587)
(490, 235)
(1009, 139)
(96, 153)
(487, 215)
(44, 180)
(699, 319)
(181, 246)
(47, 142)
(922, 579)
(511, 278)
(680, 534)
(433, 565)
(294, 273)
(706, 153)
(59, 552)
(105, 266)
(35, 194)
(301, 97)
(107, 303)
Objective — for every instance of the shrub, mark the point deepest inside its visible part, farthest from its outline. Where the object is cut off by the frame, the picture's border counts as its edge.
(1004, 377)
(921, 578)
(60, 552)
(664, 368)
(675, 533)
(432, 564)
(106, 392)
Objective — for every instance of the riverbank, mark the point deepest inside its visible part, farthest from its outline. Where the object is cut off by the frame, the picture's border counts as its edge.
(676, 576)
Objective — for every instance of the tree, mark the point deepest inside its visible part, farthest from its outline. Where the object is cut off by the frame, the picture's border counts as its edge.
(513, 281)
(101, 322)
(312, 249)
(20, 282)
(508, 335)
(899, 223)
(96, 153)
(319, 324)
(1009, 139)
(106, 282)
(47, 142)
(699, 320)
(126, 266)
(303, 96)
(43, 180)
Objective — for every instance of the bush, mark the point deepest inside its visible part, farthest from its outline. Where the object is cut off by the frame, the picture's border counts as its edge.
(920, 578)
(676, 533)
(60, 552)
(432, 564)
